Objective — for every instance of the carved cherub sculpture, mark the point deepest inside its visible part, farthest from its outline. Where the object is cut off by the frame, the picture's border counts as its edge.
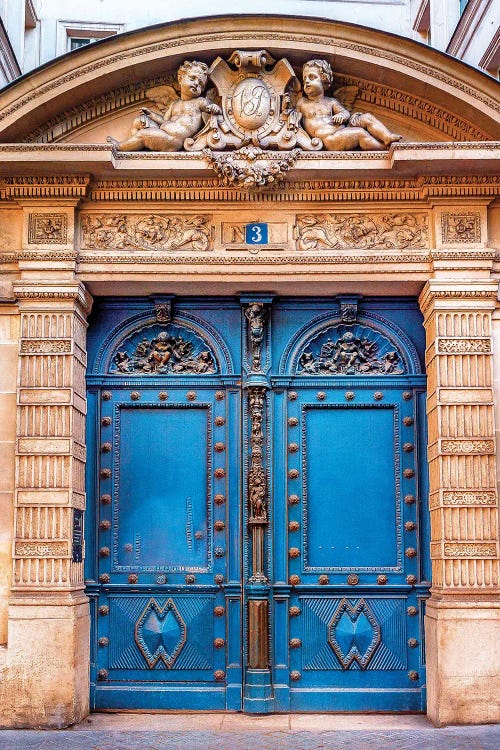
(182, 116)
(326, 118)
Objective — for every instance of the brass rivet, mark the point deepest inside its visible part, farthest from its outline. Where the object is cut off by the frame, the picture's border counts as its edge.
(321, 395)
(412, 642)
(106, 395)
(294, 552)
(349, 396)
(161, 579)
(106, 447)
(219, 675)
(295, 675)
(408, 447)
(294, 611)
(133, 578)
(220, 395)
(135, 395)
(104, 552)
(106, 421)
(102, 675)
(409, 499)
(219, 447)
(105, 524)
(353, 579)
(413, 675)
(293, 422)
(411, 552)
(106, 499)
(219, 499)
(220, 473)
(191, 395)
(219, 552)
(105, 473)
(408, 421)
(219, 579)
(219, 611)
(198, 535)
(411, 580)
(292, 396)
(323, 580)
(128, 547)
(408, 473)
(293, 474)
(382, 580)
(163, 395)
(410, 526)
(219, 421)
(104, 610)
(294, 580)
(219, 643)
(104, 578)
(103, 641)
(293, 499)
(412, 611)
(219, 525)
(378, 396)
(293, 447)
(190, 578)
(293, 526)
(407, 395)
(295, 643)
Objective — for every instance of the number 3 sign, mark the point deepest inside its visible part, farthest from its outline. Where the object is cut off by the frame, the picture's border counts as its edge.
(256, 234)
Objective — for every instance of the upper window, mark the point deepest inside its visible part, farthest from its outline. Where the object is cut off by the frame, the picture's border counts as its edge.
(72, 35)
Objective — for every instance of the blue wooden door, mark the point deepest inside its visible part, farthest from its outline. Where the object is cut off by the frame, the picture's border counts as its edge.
(259, 534)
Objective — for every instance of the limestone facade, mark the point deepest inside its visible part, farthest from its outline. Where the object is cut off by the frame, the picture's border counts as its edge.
(424, 221)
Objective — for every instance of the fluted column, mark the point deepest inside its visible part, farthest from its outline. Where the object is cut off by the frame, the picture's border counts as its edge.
(463, 500)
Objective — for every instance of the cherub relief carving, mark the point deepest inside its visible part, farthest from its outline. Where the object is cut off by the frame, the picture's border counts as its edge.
(256, 104)
(182, 116)
(326, 118)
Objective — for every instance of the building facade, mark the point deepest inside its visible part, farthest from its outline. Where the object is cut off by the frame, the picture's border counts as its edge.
(249, 394)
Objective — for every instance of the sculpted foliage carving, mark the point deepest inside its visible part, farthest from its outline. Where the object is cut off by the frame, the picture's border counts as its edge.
(168, 232)
(365, 231)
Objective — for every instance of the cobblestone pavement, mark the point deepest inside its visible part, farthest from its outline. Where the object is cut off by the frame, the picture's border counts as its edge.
(239, 732)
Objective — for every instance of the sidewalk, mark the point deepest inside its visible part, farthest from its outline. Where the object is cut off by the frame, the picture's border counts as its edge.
(212, 731)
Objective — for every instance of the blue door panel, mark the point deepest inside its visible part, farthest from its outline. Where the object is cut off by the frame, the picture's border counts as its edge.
(349, 467)
(169, 546)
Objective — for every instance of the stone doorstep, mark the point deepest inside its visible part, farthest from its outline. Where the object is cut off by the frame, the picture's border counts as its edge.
(175, 722)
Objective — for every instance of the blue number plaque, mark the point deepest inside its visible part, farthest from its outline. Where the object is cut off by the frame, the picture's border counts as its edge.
(256, 234)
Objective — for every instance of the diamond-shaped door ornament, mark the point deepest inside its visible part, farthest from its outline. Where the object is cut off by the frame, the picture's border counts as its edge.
(354, 633)
(160, 633)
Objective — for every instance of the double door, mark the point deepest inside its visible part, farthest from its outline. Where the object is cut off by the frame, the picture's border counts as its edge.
(256, 533)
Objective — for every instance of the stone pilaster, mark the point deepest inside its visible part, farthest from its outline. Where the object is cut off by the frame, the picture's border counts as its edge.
(460, 615)
(48, 637)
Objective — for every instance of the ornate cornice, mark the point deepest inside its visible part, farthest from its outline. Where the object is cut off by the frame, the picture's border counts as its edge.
(46, 291)
(254, 260)
(49, 186)
(133, 95)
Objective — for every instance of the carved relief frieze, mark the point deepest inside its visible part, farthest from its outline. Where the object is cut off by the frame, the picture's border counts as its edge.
(469, 498)
(46, 346)
(42, 549)
(461, 227)
(470, 549)
(164, 349)
(350, 350)
(362, 231)
(47, 229)
(158, 232)
(467, 447)
(464, 346)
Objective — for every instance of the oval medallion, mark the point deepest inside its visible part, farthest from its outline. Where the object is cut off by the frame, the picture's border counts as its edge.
(251, 103)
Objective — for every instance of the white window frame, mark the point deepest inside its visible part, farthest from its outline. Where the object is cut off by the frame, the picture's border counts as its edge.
(67, 30)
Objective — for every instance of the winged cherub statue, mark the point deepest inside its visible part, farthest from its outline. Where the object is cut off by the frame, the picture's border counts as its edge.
(326, 118)
(182, 116)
